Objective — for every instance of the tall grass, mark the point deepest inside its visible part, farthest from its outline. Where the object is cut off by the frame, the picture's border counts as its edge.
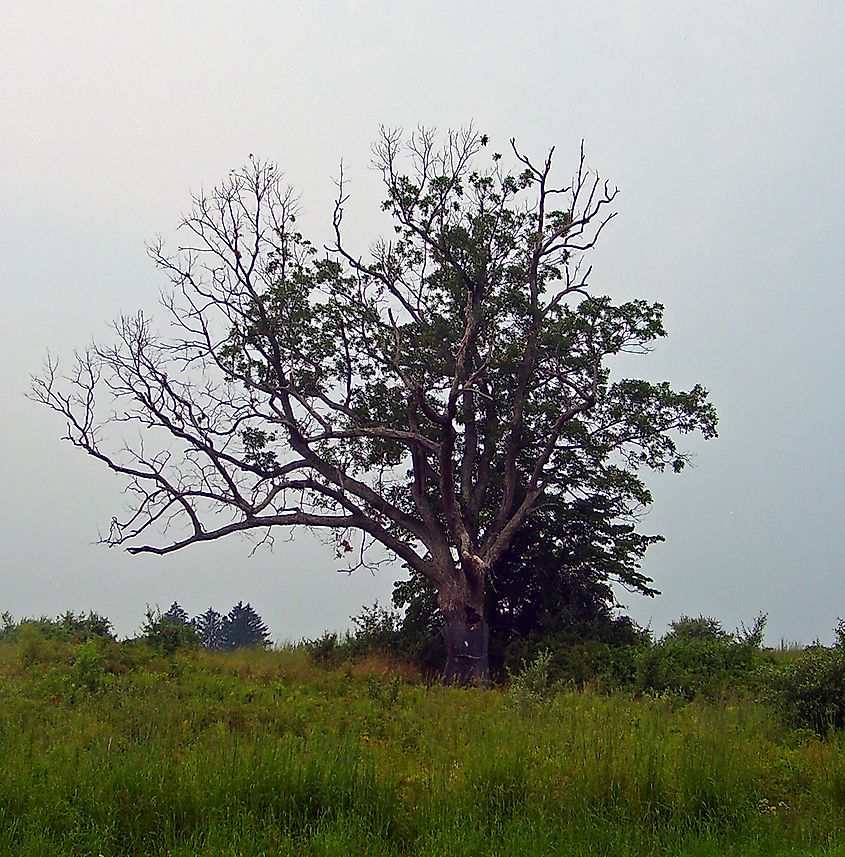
(117, 751)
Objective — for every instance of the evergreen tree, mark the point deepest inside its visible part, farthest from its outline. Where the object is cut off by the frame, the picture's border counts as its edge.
(210, 629)
(243, 628)
(175, 615)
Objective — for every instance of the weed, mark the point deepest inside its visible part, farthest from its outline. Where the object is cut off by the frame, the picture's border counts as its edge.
(531, 685)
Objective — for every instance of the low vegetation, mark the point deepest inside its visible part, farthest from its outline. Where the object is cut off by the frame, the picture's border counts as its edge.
(695, 745)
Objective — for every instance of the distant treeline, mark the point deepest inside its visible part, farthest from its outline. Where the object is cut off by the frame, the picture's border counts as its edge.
(240, 628)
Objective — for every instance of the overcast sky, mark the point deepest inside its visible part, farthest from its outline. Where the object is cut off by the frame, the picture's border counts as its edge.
(721, 122)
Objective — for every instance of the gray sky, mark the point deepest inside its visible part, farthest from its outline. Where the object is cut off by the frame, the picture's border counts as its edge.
(721, 122)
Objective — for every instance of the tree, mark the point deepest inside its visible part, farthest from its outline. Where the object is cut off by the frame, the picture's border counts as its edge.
(81, 627)
(243, 628)
(210, 629)
(75, 627)
(176, 615)
(420, 404)
(557, 572)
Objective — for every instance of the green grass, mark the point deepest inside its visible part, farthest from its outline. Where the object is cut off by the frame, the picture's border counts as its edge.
(113, 750)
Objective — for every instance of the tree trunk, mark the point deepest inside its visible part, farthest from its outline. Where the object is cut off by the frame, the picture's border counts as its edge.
(460, 595)
(466, 638)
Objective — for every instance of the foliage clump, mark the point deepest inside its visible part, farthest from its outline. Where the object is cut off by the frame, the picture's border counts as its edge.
(700, 628)
(68, 626)
(376, 630)
(697, 656)
(809, 690)
(169, 631)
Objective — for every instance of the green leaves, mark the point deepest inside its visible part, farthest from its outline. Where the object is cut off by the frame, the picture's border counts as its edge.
(463, 291)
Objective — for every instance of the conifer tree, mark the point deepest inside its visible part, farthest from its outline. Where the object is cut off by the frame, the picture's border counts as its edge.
(170, 630)
(209, 628)
(243, 628)
(175, 615)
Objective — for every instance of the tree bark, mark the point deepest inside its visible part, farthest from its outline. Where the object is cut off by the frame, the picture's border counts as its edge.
(467, 662)
(464, 630)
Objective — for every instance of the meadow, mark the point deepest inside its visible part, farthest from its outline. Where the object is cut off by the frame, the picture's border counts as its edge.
(116, 749)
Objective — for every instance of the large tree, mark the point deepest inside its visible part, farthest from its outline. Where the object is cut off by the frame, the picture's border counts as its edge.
(418, 402)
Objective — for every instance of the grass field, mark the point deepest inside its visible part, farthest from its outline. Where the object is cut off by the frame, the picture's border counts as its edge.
(110, 749)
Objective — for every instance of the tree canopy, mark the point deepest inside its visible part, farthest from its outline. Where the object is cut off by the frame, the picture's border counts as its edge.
(422, 401)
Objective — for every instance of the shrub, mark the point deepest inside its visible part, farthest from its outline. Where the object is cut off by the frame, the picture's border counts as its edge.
(701, 628)
(68, 627)
(168, 634)
(532, 684)
(87, 670)
(839, 634)
(809, 690)
(578, 662)
(692, 666)
(377, 631)
(325, 650)
(752, 635)
(8, 626)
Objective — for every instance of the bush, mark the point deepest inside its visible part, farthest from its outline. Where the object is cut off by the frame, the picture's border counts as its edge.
(69, 627)
(698, 657)
(380, 631)
(809, 690)
(753, 635)
(839, 634)
(532, 684)
(326, 650)
(167, 634)
(8, 626)
(691, 666)
(577, 662)
(700, 628)
(376, 629)
(87, 670)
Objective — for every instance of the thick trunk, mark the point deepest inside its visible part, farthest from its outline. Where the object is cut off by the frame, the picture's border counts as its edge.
(466, 638)
(461, 600)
